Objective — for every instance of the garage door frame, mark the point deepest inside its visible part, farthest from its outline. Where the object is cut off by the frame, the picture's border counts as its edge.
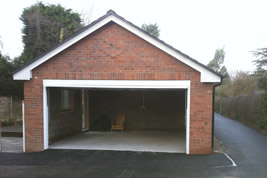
(126, 84)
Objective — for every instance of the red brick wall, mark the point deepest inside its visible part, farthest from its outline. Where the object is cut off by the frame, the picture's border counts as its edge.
(113, 53)
(33, 106)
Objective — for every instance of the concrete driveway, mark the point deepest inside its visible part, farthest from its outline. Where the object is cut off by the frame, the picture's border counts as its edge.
(246, 148)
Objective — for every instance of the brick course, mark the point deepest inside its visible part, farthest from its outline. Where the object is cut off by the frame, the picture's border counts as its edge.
(114, 53)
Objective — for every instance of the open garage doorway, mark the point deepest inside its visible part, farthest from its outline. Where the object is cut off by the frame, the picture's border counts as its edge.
(155, 118)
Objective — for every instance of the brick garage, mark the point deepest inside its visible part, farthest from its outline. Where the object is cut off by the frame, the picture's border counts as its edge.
(113, 49)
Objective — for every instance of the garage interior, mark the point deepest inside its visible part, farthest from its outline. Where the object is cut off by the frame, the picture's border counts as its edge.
(82, 119)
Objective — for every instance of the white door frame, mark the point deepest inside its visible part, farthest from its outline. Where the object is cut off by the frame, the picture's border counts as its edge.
(127, 84)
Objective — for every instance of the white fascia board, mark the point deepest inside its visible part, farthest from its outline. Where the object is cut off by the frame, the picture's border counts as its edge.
(178, 84)
(23, 75)
(206, 76)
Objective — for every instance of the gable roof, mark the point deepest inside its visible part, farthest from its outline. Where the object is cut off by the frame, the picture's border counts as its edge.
(207, 75)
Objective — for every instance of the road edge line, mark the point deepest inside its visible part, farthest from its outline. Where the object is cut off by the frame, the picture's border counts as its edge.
(233, 162)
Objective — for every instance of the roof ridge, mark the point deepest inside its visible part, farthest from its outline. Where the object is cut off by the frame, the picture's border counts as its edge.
(111, 12)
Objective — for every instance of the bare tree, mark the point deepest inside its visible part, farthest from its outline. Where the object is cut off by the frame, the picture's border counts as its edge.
(86, 16)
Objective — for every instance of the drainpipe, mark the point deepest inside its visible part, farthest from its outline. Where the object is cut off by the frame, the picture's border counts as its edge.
(213, 104)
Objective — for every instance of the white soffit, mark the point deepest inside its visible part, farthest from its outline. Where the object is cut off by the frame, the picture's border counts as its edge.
(206, 75)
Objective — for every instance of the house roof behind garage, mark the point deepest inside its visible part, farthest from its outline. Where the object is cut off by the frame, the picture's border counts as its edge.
(207, 75)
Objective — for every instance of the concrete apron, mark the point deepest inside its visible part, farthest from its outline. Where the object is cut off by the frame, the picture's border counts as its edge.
(144, 141)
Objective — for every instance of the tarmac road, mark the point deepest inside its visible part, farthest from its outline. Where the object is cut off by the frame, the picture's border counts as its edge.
(246, 148)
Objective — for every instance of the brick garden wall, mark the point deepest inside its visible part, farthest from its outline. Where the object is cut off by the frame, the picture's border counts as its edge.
(113, 53)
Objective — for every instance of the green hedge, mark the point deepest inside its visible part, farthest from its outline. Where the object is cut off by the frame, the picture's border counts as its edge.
(248, 109)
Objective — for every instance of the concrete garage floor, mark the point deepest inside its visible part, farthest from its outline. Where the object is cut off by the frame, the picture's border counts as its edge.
(147, 141)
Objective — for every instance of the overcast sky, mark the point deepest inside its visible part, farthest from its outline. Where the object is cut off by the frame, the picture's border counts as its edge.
(194, 27)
